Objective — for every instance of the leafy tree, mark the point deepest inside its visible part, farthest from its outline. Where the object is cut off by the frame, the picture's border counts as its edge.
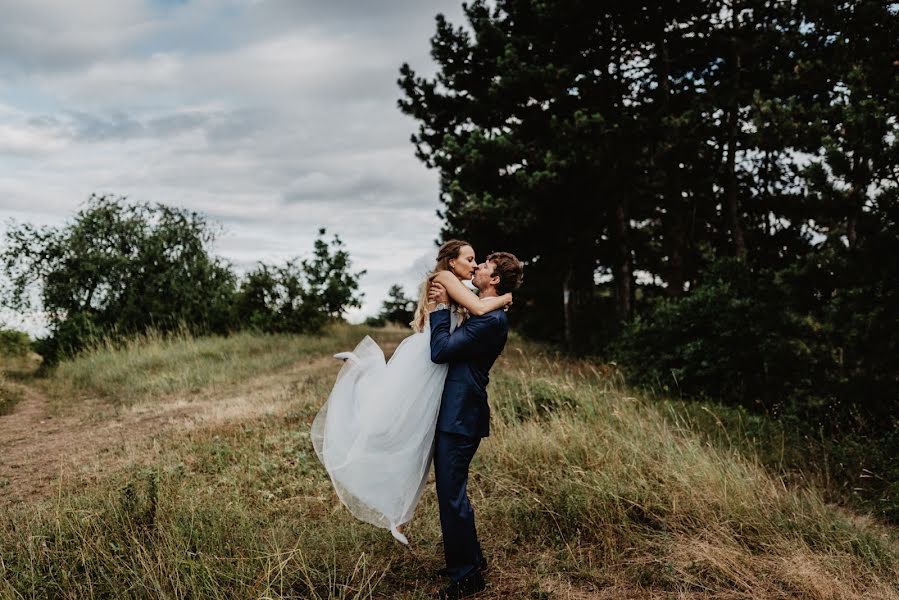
(276, 300)
(329, 277)
(735, 338)
(686, 180)
(119, 267)
(397, 308)
(375, 321)
(600, 144)
(14, 343)
(302, 295)
(517, 122)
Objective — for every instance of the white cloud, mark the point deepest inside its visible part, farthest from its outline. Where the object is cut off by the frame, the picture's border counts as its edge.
(24, 140)
(273, 117)
(54, 35)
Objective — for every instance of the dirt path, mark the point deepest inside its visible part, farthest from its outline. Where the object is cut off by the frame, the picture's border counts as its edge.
(40, 452)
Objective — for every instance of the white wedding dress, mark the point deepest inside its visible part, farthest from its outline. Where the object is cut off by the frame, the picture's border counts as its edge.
(375, 433)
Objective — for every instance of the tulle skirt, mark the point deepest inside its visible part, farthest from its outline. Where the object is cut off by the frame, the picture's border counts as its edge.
(375, 433)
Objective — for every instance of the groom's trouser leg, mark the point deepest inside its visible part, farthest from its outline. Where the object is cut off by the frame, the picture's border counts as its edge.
(452, 457)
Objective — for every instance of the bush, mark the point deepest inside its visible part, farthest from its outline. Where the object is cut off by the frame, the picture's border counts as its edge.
(119, 268)
(733, 338)
(276, 300)
(301, 296)
(377, 321)
(815, 345)
(397, 308)
(14, 343)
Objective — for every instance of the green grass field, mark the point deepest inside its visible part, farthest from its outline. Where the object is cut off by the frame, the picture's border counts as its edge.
(585, 489)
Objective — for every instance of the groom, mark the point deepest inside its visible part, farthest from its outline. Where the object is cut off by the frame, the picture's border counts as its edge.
(464, 416)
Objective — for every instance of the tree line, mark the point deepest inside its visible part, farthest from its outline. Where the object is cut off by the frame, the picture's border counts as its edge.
(120, 268)
(706, 191)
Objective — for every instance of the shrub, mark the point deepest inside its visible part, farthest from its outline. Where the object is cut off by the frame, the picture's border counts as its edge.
(14, 343)
(733, 338)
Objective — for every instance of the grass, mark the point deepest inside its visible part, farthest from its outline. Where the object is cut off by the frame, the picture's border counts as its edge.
(583, 490)
(161, 365)
(9, 395)
(14, 367)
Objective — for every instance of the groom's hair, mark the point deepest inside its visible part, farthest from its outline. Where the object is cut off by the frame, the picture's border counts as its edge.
(509, 269)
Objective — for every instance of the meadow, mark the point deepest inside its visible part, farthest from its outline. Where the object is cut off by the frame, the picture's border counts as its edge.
(180, 467)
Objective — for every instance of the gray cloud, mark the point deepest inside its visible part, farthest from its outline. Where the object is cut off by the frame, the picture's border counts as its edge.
(43, 35)
(122, 126)
(273, 117)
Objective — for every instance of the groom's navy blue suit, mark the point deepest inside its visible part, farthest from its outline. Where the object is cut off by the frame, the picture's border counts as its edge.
(463, 420)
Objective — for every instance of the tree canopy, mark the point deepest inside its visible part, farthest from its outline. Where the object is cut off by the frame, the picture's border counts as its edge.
(705, 191)
(120, 268)
(621, 147)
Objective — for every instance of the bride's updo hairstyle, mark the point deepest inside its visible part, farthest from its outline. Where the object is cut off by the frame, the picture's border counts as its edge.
(447, 252)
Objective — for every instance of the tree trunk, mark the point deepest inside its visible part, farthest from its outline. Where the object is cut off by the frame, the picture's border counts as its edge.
(578, 289)
(856, 202)
(673, 220)
(731, 202)
(568, 308)
(677, 241)
(624, 275)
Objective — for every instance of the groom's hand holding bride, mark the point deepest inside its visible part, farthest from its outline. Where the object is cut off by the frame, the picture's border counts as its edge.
(438, 294)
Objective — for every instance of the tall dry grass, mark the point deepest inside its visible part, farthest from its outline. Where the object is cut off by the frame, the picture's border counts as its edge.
(14, 368)
(155, 364)
(9, 394)
(583, 490)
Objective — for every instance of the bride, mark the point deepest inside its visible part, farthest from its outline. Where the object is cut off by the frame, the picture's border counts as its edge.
(375, 433)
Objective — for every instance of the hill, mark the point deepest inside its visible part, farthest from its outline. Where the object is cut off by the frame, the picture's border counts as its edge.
(182, 467)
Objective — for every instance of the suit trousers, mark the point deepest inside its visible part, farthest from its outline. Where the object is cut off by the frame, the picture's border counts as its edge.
(452, 456)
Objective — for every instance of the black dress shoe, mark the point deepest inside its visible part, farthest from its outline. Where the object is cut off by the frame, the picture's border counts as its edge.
(483, 567)
(465, 587)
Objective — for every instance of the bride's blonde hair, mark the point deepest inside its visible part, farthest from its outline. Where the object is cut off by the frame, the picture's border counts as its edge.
(448, 251)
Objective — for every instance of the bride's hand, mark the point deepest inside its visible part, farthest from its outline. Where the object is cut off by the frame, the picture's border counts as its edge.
(508, 299)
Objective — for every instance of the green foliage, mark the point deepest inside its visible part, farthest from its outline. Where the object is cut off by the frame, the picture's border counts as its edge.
(596, 140)
(375, 321)
(766, 341)
(302, 295)
(329, 277)
(119, 267)
(817, 340)
(14, 344)
(397, 308)
(627, 151)
(852, 291)
(733, 338)
(276, 300)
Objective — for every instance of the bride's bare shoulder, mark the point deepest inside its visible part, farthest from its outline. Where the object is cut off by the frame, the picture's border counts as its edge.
(440, 275)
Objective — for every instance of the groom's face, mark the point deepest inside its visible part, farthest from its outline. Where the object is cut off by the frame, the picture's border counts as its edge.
(482, 275)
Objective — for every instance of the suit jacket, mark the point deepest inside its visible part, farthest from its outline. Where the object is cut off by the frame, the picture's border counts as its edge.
(470, 351)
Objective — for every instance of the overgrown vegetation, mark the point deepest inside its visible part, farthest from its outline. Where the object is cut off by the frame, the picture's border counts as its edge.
(121, 268)
(9, 394)
(582, 487)
(829, 374)
(397, 309)
(14, 344)
(156, 364)
(15, 347)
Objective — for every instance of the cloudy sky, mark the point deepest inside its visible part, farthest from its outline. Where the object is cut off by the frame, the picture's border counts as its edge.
(272, 117)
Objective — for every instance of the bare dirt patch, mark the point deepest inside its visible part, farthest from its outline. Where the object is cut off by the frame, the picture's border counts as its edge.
(42, 451)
